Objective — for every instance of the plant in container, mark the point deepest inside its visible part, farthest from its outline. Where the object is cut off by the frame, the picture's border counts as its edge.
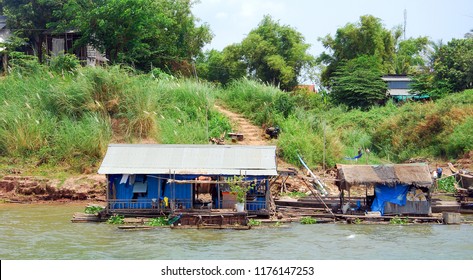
(240, 188)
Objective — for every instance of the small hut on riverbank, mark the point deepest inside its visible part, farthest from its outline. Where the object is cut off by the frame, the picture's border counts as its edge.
(149, 179)
(395, 188)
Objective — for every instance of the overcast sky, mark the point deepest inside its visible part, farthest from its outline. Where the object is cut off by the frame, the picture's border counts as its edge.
(231, 20)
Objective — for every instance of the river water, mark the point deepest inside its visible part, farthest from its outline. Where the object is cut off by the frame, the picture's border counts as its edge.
(42, 232)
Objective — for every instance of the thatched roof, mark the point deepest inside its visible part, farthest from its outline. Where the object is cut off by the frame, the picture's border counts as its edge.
(416, 174)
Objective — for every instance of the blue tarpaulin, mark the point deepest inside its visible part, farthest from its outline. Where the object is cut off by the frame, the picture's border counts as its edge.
(383, 194)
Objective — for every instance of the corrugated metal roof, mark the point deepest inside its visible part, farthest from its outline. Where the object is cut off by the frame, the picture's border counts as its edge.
(389, 174)
(189, 159)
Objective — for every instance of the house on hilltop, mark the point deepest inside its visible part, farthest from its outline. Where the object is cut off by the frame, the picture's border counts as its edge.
(58, 43)
(399, 88)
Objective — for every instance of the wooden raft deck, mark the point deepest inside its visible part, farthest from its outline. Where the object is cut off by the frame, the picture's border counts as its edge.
(86, 218)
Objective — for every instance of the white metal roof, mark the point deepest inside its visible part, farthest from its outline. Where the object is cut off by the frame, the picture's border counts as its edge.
(189, 159)
(396, 79)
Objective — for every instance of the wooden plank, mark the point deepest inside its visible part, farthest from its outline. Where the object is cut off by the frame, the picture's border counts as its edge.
(138, 227)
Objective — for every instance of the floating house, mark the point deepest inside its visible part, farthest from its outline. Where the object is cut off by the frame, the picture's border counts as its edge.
(396, 188)
(152, 179)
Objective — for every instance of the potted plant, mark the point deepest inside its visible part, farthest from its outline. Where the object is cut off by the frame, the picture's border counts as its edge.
(239, 187)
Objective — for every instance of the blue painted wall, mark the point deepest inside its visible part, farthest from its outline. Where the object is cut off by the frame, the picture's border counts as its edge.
(158, 188)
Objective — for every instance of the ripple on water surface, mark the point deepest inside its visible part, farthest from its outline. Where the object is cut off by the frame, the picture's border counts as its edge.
(46, 232)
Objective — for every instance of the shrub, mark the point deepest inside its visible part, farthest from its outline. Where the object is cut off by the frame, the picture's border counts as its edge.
(447, 184)
(158, 222)
(308, 221)
(461, 140)
(69, 120)
(399, 221)
(116, 220)
(64, 63)
(296, 194)
(253, 222)
(93, 209)
(23, 64)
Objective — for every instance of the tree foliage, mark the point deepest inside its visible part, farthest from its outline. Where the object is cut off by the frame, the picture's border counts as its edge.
(450, 69)
(368, 37)
(454, 64)
(272, 53)
(221, 67)
(275, 53)
(142, 33)
(358, 84)
(410, 55)
(30, 19)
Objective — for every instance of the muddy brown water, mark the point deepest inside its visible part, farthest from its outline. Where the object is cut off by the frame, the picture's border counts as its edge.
(46, 232)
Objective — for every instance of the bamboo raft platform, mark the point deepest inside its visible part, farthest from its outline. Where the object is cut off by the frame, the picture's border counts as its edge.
(379, 219)
(213, 226)
(137, 227)
(438, 205)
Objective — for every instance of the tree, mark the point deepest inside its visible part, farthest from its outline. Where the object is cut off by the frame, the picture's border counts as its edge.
(29, 19)
(273, 53)
(357, 83)
(410, 55)
(221, 67)
(454, 64)
(366, 38)
(143, 33)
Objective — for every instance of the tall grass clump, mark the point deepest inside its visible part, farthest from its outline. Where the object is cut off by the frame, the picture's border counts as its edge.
(252, 99)
(20, 64)
(68, 118)
(461, 139)
(303, 134)
(426, 130)
(81, 142)
(64, 63)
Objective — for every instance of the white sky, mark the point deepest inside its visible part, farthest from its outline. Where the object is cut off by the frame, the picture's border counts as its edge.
(231, 20)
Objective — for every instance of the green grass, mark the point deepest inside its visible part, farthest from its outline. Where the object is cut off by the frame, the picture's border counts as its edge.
(158, 222)
(308, 221)
(253, 222)
(116, 220)
(392, 133)
(51, 119)
(296, 194)
(399, 221)
(63, 121)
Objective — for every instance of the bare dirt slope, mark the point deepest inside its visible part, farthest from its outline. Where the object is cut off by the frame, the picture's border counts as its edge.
(252, 134)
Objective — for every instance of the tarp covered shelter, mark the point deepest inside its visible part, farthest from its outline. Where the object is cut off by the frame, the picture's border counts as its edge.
(416, 174)
(392, 184)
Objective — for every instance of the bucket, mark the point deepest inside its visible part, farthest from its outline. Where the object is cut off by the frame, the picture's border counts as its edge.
(240, 207)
